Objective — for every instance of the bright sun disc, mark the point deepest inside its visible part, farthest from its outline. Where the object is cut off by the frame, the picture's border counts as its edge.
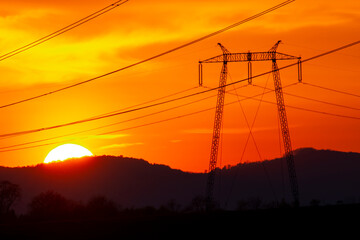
(67, 151)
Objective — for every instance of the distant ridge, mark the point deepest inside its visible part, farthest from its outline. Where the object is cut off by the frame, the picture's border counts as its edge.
(327, 176)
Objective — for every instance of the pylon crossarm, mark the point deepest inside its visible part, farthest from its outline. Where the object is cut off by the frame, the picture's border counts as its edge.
(249, 56)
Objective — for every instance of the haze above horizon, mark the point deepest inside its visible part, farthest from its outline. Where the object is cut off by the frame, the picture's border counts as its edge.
(323, 111)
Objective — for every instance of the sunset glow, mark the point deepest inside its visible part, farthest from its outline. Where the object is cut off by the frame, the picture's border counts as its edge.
(322, 111)
(66, 151)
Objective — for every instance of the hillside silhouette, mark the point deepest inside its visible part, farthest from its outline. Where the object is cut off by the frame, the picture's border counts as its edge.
(324, 176)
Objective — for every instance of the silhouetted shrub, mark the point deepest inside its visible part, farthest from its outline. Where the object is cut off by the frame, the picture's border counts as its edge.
(144, 211)
(315, 203)
(51, 205)
(9, 194)
(284, 204)
(255, 203)
(170, 206)
(339, 202)
(242, 205)
(100, 206)
(271, 205)
(198, 204)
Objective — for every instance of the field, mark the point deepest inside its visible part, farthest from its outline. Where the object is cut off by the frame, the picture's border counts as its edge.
(271, 222)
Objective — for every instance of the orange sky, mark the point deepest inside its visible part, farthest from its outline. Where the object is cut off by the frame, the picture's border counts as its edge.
(140, 29)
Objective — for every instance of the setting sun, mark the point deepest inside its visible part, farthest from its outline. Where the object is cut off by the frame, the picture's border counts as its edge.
(66, 151)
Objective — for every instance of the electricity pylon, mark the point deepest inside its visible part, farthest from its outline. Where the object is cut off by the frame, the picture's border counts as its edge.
(217, 125)
(271, 55)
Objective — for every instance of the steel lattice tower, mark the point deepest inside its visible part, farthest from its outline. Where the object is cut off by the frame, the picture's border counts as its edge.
(271, 55)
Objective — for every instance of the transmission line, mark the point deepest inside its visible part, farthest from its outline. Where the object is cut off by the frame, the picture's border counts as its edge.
(312, 110)
(187, 96)
(125, 129)
(63, 30)
(155, 56)
(315, 100)
(5, 149)
(253, 138)
(333, 90)
(150, 101)
(112, 124)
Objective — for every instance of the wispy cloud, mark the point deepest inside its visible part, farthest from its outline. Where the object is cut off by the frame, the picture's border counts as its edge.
(235, 130)
(227, 130)
(121, 145)
(109, 136)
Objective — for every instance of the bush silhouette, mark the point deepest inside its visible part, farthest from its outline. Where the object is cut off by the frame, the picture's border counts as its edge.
(9, 194)
(51, 205)
(100, 206)
(198, 204)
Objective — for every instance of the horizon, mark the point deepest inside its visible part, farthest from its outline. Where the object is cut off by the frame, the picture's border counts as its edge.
(322, 112)
(324, 175)
(70, 161)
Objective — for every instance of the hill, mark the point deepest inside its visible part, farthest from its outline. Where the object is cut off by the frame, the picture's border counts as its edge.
(127, 181)
(328, 176)
(324, 176)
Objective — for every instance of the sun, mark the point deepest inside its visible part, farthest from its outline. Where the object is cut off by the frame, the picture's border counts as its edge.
(67, 151)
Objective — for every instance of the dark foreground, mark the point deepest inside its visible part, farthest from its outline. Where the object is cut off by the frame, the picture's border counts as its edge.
(284, 223)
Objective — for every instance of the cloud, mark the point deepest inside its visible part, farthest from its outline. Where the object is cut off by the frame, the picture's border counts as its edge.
(236, 130)
(96, 45)
(109, 136)
(121, 145)
(227, 130)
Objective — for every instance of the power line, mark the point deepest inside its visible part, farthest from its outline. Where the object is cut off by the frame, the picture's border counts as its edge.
(333, 90)
(147, 115)
(150, 101)
(155, 56)
(119, 110)
(63, 30)
(112, 124)
(315, 100)
(166, 120)
(180, 98)
(253, 138)
(106, 115)
(124, 129)
(311, 110)
(320, 112)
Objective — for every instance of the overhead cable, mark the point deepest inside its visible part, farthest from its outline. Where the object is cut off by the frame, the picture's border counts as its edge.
(315, 100)
(155, 56)
(63, 30)
(174, 99)
(17, 146)
(331, 89)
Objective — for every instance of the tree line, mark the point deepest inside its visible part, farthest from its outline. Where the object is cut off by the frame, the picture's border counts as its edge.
(51, 205)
